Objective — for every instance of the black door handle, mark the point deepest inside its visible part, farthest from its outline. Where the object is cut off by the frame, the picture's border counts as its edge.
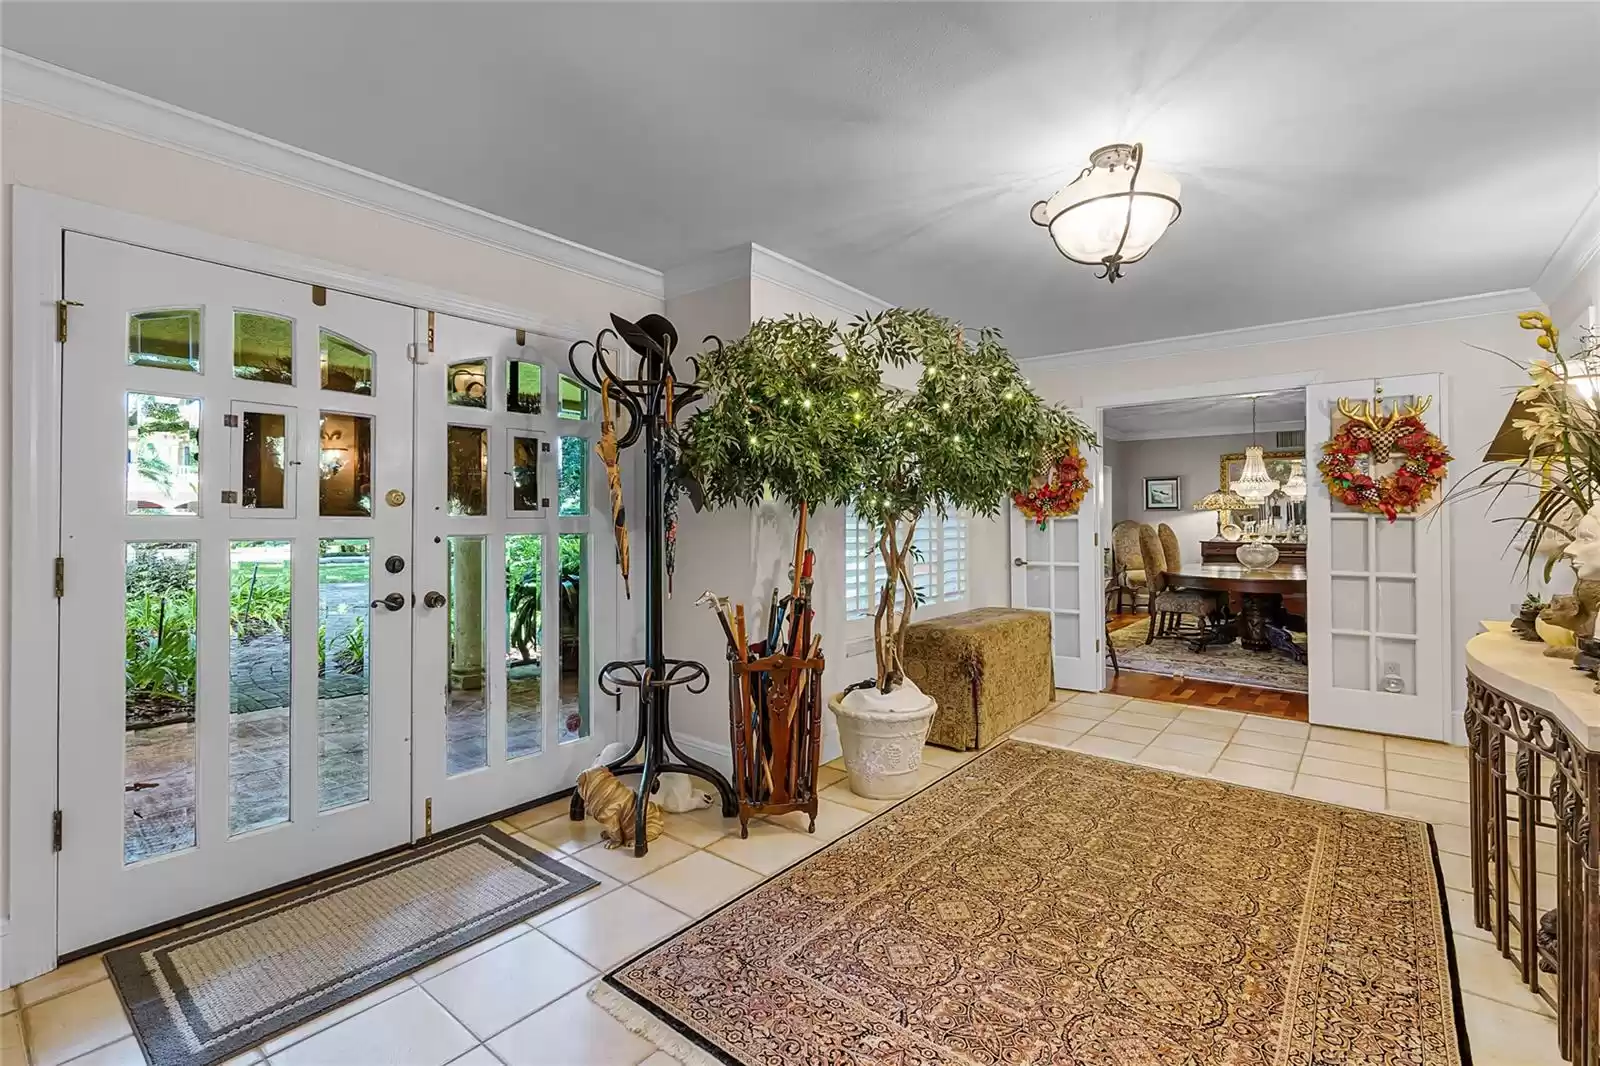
(433, 599)
(394, 601)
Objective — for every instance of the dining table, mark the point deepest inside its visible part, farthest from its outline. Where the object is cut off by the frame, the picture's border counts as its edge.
(1258, 625)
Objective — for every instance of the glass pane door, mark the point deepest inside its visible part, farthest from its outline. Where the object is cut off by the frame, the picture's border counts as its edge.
(222, 655)
(515, 593)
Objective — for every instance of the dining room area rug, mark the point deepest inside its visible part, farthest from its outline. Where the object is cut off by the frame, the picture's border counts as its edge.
(1046, 907)
(1227, 663)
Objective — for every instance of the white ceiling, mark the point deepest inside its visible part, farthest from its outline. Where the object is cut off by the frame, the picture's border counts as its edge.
(1207, 417)
(1334, 157)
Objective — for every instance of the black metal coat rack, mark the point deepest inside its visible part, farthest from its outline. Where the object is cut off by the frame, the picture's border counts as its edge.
(653, 400)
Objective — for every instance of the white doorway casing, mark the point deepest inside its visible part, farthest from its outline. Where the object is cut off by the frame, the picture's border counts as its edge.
(1057, 568)
(40, 223)
(1377, 601)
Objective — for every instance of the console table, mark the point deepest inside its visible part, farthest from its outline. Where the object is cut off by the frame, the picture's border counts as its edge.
(1534, 728)
(1217, 550)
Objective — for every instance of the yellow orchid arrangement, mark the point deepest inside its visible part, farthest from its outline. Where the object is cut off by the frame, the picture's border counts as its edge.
(1559, 420)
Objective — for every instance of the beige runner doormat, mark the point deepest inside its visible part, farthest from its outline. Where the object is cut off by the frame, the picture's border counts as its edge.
(1040, 907)
(200, 994)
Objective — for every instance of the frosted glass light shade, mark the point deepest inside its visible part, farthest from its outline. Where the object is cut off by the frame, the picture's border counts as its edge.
(1254, 483)
(1295, 487)
(1117, 192)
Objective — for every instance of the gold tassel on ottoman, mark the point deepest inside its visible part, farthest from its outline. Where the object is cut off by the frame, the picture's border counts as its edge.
(612, 804)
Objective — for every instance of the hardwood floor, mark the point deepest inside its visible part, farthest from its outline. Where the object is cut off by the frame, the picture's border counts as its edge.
(1193, 692)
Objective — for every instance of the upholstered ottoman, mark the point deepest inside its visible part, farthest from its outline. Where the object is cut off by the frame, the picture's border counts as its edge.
(990, 669)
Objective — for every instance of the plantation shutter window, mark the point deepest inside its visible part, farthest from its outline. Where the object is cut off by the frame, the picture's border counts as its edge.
(939, 574)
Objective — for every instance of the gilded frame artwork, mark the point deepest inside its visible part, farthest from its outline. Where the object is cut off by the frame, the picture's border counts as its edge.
(1231, 464)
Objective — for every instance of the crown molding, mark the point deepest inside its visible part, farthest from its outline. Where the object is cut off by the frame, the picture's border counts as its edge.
(32, 83)
(767, 265)
(1580, 247)
(1488, 303)
(707, 272)
(753, 262)
(1188, 432)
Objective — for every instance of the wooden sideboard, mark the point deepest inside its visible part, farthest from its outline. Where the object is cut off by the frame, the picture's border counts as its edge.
(1534, 728)
(1290, 553)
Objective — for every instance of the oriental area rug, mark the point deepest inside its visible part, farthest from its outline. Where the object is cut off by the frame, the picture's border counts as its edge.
(1040, 907)
(203, 993)
(1231, 664)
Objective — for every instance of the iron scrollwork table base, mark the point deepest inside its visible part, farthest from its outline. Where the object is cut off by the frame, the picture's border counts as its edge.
(1534, 790)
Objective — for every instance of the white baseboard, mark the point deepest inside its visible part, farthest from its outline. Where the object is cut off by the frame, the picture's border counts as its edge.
(720, 756)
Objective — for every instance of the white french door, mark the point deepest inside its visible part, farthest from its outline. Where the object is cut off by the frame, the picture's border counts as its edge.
(236, 474)
(1376, 598)
(1056, 568)
(514, 573)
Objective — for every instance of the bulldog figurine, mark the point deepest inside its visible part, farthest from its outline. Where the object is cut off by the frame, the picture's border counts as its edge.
(1575, 611)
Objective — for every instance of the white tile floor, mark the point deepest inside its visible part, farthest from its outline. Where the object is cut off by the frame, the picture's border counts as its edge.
(520, 996)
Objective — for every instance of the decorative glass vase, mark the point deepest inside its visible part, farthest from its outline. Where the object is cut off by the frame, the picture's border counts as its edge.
(1256, 555)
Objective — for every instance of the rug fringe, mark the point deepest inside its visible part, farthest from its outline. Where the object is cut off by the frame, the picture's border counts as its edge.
(637, 1019)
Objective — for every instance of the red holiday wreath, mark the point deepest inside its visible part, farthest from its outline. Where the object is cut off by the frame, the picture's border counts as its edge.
(1061, 493)
(1378, 435)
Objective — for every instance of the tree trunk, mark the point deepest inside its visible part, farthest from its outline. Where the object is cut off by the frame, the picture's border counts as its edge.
(883, 619)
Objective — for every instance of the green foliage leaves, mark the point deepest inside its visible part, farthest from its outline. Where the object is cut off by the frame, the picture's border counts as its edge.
(789, 405)
(798, 407)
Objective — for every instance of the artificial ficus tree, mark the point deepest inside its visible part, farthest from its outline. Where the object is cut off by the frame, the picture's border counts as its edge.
(969, 434)
(798, 409)
(785, 417)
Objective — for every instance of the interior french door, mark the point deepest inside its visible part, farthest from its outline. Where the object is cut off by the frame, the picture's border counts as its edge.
(236, 474)
(514, 573)
(1376, 601)
(1056, 568)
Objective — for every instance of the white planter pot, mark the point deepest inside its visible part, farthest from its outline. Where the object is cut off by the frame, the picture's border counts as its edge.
(882, 736)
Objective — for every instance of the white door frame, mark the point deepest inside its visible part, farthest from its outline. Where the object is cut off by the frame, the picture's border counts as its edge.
(38, 221)
(1094, 407)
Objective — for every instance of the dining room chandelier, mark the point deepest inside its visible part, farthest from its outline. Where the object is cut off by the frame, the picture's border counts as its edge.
(1295, 486)
(1113, 212)
(1254, 483)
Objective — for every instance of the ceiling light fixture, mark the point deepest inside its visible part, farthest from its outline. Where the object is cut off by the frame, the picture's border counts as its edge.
(1295, 488)
(1254, 483)
(1112, 213)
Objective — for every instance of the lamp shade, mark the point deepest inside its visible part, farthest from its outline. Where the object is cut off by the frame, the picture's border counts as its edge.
(1222, 500)
(1114, 212)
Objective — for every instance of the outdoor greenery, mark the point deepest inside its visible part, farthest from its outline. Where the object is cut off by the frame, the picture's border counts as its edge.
(159, 653)
(799, 409)
(524, 612)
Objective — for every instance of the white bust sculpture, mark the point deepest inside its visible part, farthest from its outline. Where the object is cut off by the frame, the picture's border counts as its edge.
(1584, 551)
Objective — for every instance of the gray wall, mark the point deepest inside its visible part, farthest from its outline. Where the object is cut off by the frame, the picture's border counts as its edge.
(1192, 459)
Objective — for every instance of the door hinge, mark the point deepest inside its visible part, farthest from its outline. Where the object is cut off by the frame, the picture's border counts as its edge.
(61, 318)
(229, 496)
(427, 818)
(544, 502)
(430, 332)
(1097, 540)
(231, 421)
(319, 295)
(1097, 644)
(55, 831)
(61, 577)
(522, 338)
(544, 446)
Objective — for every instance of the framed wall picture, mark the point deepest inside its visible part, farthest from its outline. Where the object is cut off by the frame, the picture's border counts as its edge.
(1163, 494)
